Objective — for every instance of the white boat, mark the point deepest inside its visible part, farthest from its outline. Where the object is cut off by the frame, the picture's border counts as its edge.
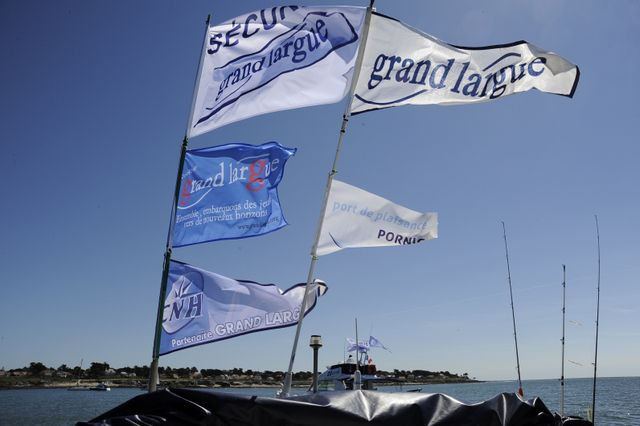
(100, 387)
(343, 377)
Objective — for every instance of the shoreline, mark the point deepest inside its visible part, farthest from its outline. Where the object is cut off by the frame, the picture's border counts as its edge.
(191, 384)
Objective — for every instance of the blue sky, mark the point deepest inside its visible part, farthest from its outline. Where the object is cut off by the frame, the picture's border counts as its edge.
(95, 99)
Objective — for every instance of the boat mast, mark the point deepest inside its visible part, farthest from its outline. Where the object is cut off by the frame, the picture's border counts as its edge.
(595, 361)
(564, 285)
(513, 313)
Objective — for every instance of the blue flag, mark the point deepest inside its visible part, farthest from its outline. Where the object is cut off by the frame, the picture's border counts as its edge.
(230, 191)
(202, 307)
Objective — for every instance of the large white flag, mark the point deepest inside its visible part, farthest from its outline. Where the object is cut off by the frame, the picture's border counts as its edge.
(402, 66)
(275, 59)
(357, 218)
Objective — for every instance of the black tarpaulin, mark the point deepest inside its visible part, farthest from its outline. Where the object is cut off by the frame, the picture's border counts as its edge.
(348, 408)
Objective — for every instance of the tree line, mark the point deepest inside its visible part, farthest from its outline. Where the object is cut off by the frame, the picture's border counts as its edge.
(103, 369)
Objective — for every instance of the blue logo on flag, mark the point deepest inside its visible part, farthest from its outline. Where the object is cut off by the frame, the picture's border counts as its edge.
(184, 302)
(230, 191)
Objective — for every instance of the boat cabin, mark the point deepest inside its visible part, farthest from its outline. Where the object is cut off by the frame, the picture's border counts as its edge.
(341, 377)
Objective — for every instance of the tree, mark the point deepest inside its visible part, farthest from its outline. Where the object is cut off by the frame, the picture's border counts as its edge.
(77, 371)
(141, 371)
(35, 368)
(98, 369)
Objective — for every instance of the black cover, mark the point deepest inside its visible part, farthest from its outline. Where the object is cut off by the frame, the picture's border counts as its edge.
(200, 407)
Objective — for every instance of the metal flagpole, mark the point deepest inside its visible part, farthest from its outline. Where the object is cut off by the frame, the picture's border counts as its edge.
(595, 361)
(564, 285)
(286, 386)
(153, 369)
(513, 313)
(357, 378)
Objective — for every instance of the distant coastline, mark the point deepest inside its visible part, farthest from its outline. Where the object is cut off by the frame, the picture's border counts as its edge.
(39, 376)
(117, 383)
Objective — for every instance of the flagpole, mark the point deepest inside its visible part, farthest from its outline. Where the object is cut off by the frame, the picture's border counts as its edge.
(286, 386)
(153, 369)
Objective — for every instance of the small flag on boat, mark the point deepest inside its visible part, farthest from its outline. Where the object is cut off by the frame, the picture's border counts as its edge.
(357, 218)
(230, 191)
(203, 307)
(403, 66)
(363, 345)
(375, 343)
(275, 59)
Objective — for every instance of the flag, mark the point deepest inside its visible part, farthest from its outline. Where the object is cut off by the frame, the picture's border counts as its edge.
(203, 307)
(357, 218)
(375, 343)
(363, 345)
(403, 66)
(275, 59)
(230, 191)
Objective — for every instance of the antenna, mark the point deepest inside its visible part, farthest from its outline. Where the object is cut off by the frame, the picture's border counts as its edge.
(513, 313)
(564, 285)
(595, 362)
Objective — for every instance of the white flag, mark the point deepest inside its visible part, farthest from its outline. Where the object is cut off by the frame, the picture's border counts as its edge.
(357, 218)
(363, 345)
(403, 66)
(275, 59)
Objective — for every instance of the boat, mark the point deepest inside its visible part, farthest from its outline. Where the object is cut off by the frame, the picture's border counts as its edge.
(100, 387)
(343, 376)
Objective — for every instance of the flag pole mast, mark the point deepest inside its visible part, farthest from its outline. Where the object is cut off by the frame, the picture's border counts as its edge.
(286, 386)
(513, 312)
(153, 369)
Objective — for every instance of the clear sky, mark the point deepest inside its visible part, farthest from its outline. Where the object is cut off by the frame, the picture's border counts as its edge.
(94, 99)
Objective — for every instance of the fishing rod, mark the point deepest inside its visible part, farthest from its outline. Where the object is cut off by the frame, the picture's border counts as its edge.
(595, 361)
(564, 285)
(513, 313)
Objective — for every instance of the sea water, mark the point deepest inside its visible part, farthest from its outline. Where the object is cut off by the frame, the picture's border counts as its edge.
(617, 399)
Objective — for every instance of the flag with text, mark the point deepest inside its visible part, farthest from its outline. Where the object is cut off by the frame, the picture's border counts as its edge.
(230, 191)
(203, 307)
(275, 59)
(403, 66)
(357, 218)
